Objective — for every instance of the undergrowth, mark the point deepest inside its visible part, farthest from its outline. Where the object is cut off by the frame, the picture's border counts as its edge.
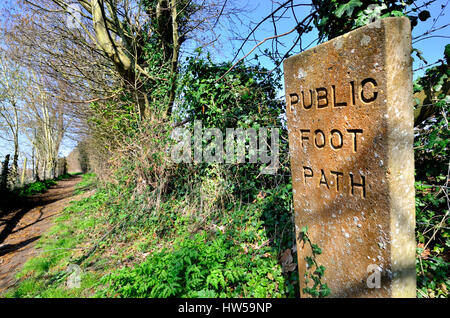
(35, 187)
(39, 186)
(127, 251)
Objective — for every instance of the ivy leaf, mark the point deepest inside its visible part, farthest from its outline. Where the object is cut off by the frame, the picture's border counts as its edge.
(316, 249)
(424, 15)
(320, 271)
(393, 13)
(347, 8)
(325, 291)
(447, 51)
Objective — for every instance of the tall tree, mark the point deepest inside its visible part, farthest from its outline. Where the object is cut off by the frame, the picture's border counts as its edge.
(46, 126)
(11, 93)
(129, 35)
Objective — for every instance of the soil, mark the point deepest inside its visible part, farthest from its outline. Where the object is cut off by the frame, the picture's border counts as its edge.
(22, 222)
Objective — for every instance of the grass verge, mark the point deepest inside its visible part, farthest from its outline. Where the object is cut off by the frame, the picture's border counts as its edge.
(126, 251)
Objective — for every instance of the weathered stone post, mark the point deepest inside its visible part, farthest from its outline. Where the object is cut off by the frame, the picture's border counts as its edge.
(350, 120)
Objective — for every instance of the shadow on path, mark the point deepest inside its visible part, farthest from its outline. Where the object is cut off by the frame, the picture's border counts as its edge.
(22, 222)
(13, 207)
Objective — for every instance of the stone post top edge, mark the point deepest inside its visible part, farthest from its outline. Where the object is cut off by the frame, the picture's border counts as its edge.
(384, 22)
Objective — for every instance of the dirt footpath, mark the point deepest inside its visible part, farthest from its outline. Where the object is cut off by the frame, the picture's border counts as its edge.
(23, 221)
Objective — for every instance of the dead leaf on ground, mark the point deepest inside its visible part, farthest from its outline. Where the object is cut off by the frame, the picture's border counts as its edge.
(287, 261)
(425, 253)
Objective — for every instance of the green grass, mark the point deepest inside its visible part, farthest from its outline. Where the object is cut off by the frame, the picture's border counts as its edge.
(40, 288)
(89, 181)
(64, 176)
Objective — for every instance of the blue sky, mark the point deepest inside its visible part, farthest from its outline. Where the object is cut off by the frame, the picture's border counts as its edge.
(432, 48)
(225, 48)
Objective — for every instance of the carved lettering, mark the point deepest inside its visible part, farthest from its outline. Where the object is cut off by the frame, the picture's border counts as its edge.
(374, 94)
(337, 174)
(293, 99)
(342, 181)
(323, 179)
(322, 97)
(355, 132)
(310, 100)
(334, 137)
(305, 175)
(340, 142)
(303, 136)
(335, 102)
(321, 143)
(361, 185)
(367, 88)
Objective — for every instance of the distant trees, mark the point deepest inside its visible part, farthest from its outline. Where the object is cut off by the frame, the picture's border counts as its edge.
(113, 64)
(112, 48)
(11, 94)
(27, 109)
(45, 127)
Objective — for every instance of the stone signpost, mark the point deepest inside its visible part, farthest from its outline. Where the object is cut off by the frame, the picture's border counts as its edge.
(350, 120)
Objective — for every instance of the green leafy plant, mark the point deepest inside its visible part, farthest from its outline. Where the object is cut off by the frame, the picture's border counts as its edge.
(198, 266)
(35, 187)
(314, 272)
(431, 147)
(335, 17)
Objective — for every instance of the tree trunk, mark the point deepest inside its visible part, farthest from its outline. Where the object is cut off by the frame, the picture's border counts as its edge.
(44, 170)
(24, 170)
(15, 166)
(36, 176)
(33, 170)
(4, 176)
(175, 53)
